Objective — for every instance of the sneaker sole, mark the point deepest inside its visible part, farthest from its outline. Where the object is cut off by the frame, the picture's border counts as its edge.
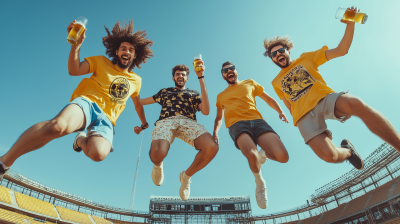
(355, 151)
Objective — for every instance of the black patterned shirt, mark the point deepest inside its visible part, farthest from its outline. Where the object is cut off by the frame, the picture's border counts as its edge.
(178, 102)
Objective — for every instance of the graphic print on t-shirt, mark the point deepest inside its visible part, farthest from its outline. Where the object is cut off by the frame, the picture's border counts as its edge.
(297, 83)
(176, 102)
(119, 89)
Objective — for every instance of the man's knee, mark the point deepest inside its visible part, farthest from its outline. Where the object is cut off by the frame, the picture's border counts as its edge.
(158, 151)
(211, 150)
(283, 157)
(251, 154)
(98, 155)
(57, 128)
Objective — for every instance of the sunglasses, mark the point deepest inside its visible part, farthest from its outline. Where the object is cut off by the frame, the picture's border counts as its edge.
(226, 70)
(280, 50)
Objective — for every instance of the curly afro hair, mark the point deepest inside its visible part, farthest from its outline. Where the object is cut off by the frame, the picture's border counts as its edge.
(124, 33)
(285, 41)
(183, 68)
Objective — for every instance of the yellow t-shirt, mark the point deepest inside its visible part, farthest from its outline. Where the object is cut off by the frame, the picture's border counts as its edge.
(301, 83)
(109, 87)
(239, 102)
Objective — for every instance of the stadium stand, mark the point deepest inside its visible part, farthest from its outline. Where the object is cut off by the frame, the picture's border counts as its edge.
(73, 216)
(396, 190)
(381, 193)
(5, 195)
(35, 205)
(394, 221)
(356, 205)
(9, 216)
(100, 220)
(124, 222)
(333, 214)
(311, 220)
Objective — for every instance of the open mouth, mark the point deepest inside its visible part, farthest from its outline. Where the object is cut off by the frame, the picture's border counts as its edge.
(231, 75)
(125, 58)
(281, 59)
(179, 80)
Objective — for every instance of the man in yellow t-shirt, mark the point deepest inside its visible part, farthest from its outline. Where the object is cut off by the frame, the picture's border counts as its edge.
(97, 102)
(311, 101)
(247, 127)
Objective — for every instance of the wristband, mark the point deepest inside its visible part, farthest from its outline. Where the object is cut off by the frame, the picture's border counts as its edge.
(143, 126)
(201, 77)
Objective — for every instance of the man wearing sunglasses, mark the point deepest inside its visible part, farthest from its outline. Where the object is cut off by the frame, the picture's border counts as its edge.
(247, 127)
(311, 101)
(178, 120)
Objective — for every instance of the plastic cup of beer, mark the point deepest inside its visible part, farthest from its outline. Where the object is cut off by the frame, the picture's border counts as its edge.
(197, 59)
(77, 30)
(350, 15)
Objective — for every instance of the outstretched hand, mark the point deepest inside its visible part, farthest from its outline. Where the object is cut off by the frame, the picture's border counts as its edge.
(355, 9)
(83, 35)
(283, 117)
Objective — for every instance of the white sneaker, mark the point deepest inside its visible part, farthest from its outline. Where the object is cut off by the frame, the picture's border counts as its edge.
(157, 174)
(184, 191)
(261, 196)
(75, 145)
(262, 157)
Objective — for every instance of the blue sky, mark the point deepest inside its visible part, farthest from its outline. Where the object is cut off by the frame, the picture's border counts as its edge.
(36, 86)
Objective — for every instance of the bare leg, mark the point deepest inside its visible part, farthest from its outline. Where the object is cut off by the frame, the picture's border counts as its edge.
(68, 120)
(158, 151)
(249, 150)
(207, 151)
(95, 147)
(273, 147)
(347, 104)
(323, 146)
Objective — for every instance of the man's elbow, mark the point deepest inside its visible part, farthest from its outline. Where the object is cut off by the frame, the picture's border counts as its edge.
(205, 112)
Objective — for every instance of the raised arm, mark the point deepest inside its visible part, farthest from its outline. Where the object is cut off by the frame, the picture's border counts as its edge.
(140, 111)
(344, 45)
(147, 101)
(204, 106)
(274, 105)
(75, 67)
(217, 124)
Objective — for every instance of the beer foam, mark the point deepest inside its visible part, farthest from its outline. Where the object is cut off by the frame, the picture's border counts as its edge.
(80, 24)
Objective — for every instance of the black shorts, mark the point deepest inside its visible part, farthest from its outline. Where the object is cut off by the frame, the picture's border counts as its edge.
(254, 128)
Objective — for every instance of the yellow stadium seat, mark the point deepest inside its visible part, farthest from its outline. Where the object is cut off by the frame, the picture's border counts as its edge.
(35, 205)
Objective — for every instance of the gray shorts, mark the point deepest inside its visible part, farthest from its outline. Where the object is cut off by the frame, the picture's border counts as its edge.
(313, 122)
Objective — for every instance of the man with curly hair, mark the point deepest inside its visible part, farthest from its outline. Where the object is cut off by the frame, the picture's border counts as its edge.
(178, 120)
(97, 102)
(311, 101)
(247, 127)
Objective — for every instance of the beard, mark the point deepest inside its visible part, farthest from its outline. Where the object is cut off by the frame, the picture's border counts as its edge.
(122, 65)
(283, 66)
(180, 86)
(230, 82)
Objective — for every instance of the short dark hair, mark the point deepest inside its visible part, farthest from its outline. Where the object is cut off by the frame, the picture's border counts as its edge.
(180, 68)
(225, 64)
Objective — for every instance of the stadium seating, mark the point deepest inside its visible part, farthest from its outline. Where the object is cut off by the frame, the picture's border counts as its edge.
(333, 214)
(99, 220)
(381, 193)
(124, 222)
(11, 217)
(396, 189)
(356, 205)
(5, 195)
(35, 205)
(73, 216)
(311, 220)
(393, 221)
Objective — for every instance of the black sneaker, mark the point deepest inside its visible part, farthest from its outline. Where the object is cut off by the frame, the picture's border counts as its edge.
(2, 171)
(355, 159)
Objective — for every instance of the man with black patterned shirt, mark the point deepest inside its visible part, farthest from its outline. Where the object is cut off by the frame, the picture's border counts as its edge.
(178, 120)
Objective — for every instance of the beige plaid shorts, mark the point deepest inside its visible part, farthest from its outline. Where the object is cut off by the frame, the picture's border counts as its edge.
(180, 127)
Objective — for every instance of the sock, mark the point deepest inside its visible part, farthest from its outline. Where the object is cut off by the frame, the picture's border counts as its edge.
(4, 166)
(186, 177)
(259, 179)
